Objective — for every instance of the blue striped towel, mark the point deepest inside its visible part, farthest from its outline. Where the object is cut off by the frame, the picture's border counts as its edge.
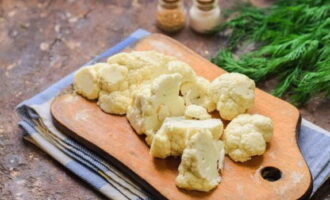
(39, 129)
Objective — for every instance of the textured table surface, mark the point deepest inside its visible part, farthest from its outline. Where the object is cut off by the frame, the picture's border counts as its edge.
(40, 42)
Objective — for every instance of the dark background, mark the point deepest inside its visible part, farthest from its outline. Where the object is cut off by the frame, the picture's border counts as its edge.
(42, 41)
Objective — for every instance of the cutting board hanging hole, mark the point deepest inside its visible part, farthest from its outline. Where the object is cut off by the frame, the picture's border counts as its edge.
(271, 174)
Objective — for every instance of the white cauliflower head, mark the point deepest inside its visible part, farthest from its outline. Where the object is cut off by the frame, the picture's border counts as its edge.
(246, 136)
(154, 103)
(233, 93)
(197, 92)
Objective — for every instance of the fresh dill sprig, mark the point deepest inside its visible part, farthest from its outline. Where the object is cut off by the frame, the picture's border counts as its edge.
(293, 40)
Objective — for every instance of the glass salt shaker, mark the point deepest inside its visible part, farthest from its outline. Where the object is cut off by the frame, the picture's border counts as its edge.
(204, 15)
(170, 15)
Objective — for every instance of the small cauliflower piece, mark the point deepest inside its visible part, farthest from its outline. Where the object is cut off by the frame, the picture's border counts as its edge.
(246, 136)
(196, 112)
(200, 163)
(151, 105)
(171, 139)
(197, 92)
(85, 82)
(233, 93)
(113, 78)
(115, 103)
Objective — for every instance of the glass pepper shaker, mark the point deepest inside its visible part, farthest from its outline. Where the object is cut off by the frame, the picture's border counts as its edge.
(204, 15)
(170, 15)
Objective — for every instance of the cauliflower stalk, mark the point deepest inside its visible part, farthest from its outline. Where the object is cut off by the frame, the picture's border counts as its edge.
(154, 103)
(194, 89)
(200, 163)
(197, 92)
(246, 136)
(171, 139)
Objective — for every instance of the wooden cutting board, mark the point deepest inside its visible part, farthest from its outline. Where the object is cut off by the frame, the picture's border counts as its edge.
(281, 173)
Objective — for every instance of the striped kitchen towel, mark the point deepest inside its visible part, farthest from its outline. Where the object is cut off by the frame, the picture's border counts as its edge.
(39, 129)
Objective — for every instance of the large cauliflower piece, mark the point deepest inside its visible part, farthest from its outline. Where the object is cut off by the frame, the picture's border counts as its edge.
(128, 73)
(125, 75)
(197, 92)
(233, 93)
(246, 136)
(171, 139)
(200, 163)
(151, 105)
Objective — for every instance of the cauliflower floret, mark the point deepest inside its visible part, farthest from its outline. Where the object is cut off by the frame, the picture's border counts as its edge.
(127, 71)
(142, 65)
(196, 112)
(138, 88)
(139, 59)
(154, 103)
(200, 163)
(172, 137)
(246, 136)
(85, 82)
(154, 64)
(126, 59)
(155, 58)
(113, 78)
(99, 66)
(233, 93)
(188, 74)
(198, 92)
(115, 103)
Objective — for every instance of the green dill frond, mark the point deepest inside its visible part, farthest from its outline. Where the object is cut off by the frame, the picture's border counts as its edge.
(287, 81)
(294, 45)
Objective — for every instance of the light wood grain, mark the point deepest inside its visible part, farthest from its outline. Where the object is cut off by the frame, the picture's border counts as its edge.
(113, 136)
